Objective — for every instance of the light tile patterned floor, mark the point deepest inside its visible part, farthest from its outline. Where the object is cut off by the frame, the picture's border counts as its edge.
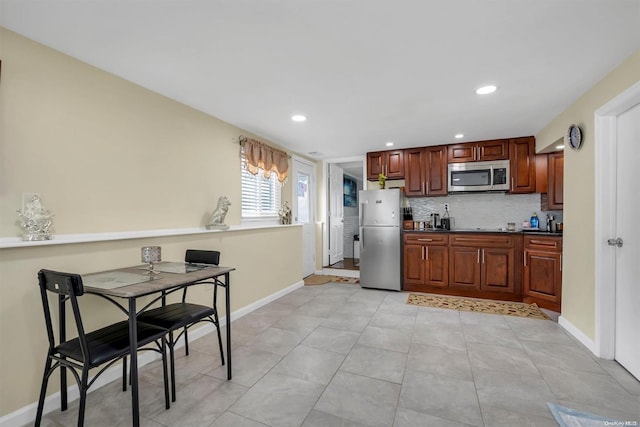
(339, 355)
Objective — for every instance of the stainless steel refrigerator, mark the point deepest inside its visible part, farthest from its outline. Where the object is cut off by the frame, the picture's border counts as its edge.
(380, 219)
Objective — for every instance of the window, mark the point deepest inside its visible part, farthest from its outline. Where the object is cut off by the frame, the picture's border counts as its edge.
(260, 195)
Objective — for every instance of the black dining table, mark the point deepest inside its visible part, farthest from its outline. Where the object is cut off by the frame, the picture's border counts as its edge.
(132, 283)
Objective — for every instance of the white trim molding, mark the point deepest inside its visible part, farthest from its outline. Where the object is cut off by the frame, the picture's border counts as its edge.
(577, 333)
(26, 415)
(63, 239)
(605, 217)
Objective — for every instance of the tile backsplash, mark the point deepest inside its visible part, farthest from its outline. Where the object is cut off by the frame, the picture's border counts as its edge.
(484, 210)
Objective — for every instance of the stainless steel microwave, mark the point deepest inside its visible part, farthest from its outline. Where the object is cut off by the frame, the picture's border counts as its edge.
(479, 176)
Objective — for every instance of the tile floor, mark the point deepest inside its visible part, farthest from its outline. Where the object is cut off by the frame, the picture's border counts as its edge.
(339, 355)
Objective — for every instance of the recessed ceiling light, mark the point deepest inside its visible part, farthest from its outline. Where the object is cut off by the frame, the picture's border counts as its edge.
(298, 118)
(459, 135)
(389, 144)
(484, 90)
(560, 147)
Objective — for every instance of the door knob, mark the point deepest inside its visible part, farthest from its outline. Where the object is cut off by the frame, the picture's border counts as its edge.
(615, 242)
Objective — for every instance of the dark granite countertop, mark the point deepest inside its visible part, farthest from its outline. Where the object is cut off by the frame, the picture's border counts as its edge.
(485, 230)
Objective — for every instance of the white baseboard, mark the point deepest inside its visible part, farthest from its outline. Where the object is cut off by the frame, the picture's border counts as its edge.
(27, 414)
(577, 334)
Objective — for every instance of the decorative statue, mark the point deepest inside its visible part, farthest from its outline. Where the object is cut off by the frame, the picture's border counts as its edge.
(36, 222)
(216, 220)
(285, 214)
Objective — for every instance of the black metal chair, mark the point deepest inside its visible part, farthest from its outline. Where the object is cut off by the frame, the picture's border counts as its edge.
(183, 315)
(104, 346)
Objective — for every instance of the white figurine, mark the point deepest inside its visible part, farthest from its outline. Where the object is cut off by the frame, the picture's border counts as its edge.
(216, 220)
(36, 222)
(285, 214)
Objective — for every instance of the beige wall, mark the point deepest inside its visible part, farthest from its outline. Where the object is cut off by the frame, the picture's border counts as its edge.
(107, 156)
(578, 290)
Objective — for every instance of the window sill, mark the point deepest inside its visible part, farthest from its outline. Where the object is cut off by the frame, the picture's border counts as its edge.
(63, 239)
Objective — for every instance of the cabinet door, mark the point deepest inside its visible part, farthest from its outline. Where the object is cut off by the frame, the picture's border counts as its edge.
(437, 266)
(556, 180)
(394, 164)
(523, 165)
(414, 176)
(464, 267)
(435, 159)
(375, 162)
(461, 153)
(493, 150)
(543, 276)
(414, 264)
(498, 266)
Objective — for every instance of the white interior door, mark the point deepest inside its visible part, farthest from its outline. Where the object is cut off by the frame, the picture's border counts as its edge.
(336, 214)
(627, 322)
(304, 209)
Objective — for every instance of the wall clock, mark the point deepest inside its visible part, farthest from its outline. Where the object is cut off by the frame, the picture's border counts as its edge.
(574, 137)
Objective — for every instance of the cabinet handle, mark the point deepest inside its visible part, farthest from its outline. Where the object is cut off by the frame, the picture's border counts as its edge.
(560, 262)
(427, 253)
(427, 192)
(425, 240)
(512, 183)
(483, 256)
(423, 252)
(478, 152)
(525, 258)
(478, 256)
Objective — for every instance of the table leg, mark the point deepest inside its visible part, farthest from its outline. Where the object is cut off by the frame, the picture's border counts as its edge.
(228, 313)
(133, 343)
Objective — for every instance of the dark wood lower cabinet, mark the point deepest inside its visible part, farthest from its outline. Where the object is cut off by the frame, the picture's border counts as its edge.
(464, 268)
(426, 261)
(480, 265)
(543, 271)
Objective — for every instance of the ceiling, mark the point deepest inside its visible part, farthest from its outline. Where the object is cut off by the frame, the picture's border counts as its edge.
(363, 72)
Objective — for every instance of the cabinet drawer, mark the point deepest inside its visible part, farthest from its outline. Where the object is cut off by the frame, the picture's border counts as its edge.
(543, 243)
(482, 240)
(427, 238)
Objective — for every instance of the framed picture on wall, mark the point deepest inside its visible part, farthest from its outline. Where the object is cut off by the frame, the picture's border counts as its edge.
(350, 190)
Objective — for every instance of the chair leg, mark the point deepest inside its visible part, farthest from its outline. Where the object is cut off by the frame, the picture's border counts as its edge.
(164, 374)
(217, 324)
(83, 395)
(124, 373)
(186, 341)
(172, 362)
(43, 391)
(63, 388)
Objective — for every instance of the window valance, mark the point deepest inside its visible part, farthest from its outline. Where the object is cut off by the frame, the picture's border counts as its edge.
(262, 156)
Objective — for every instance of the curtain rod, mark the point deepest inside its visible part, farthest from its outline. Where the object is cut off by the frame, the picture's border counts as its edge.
(243, 138)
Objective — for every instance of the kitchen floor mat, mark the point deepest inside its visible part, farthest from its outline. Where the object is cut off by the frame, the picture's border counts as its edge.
(508, 308)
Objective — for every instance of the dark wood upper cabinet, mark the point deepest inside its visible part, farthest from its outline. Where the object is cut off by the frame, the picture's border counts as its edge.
(390, 163)
(523, 164)
(497, 149)
(426, 171)
(555, 180)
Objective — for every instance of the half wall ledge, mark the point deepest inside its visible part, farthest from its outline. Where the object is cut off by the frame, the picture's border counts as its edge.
(65, 239)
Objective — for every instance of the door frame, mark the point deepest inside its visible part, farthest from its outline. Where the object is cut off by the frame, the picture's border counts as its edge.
(324, 200)
(296, 160)
(606, 122)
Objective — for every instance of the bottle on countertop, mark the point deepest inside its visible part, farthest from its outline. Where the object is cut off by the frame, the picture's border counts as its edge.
(534, 220)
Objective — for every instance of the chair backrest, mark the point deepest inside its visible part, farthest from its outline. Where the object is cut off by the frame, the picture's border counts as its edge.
(67, 286)
(202, 257)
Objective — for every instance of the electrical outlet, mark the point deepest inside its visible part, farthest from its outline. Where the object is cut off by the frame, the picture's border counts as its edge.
(446, 206)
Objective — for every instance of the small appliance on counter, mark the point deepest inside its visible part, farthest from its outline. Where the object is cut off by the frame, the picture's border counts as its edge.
(446, 222)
